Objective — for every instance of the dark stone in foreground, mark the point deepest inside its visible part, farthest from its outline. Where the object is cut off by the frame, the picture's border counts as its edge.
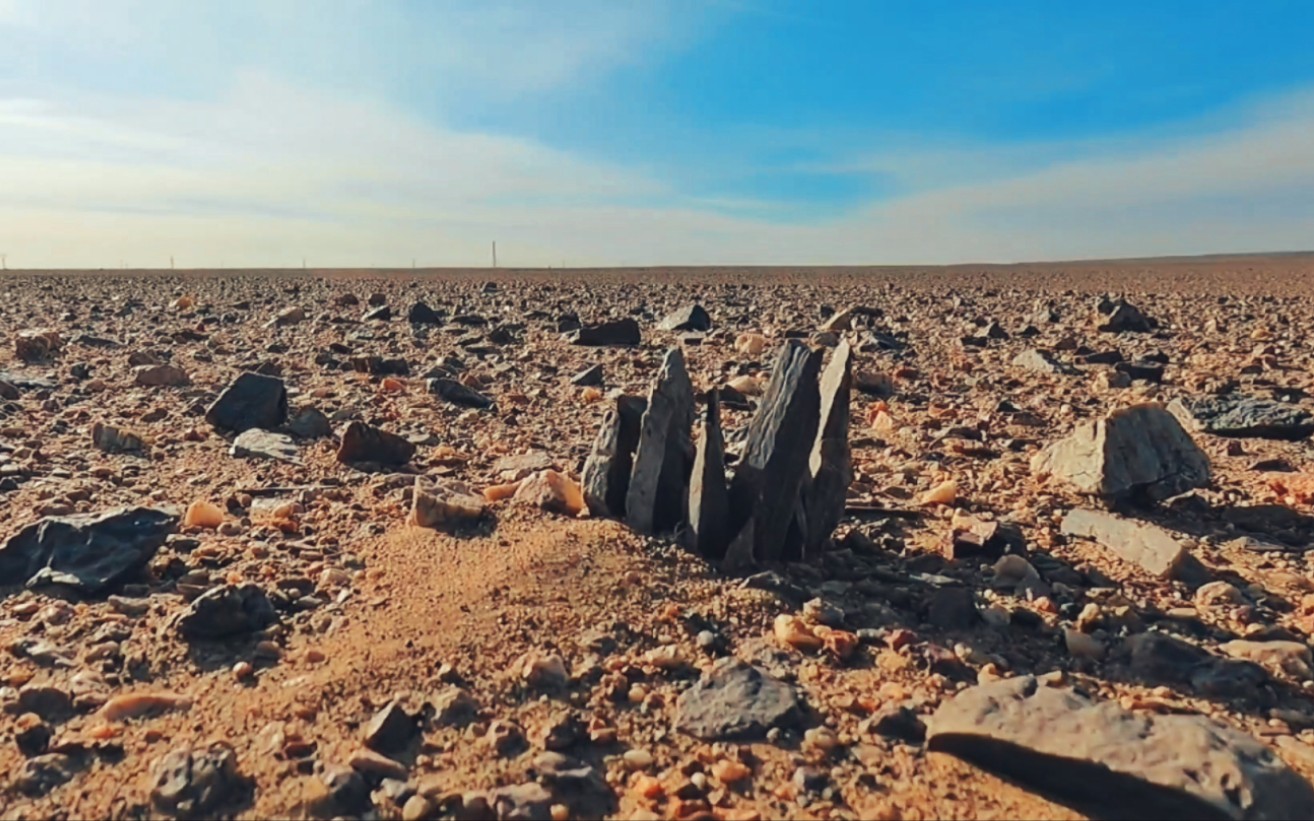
(89, 552)
(1110, 763)
(194, 782)
(227, 611)
(251, 401)
(735, 700)
(458, 394)
(606, 477)
(657, 495)
(1244, 416)
(619, 332)
(691, 317)
(709, 499)
(421, 314)
(365, 443)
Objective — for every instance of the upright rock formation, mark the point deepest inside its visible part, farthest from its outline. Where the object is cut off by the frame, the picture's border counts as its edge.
(659, 480)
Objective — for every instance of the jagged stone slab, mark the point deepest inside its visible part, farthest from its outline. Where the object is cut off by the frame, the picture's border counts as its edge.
(1120, 316)
(1108, 762)
(1035, 360)
(830, 466)
(1243, 416)
(619, 332)
(774, 467)
(709, 498)
(658, 490)
(454, 392)
(262, 444)
(366, 443)
(1140, 452)
(691, 317)
(1152, 548)
(606, 477)
(251, 401)
(89, 552)
(736, 701)
(421, 314)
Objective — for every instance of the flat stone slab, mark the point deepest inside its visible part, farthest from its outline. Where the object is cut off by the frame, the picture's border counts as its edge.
(89, 552)
(1108, 762)
(735, 700)
(262, 444)
(1152, 548)
(1243, 416)
(252, 401)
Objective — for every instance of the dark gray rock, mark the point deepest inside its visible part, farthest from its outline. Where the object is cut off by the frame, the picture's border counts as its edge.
(39, 775)
(89, 552)
(1243, 416)
(378, 366)
(953, 608)
(898, 722)
(391, 729)
(309, 423)
(194, 782)
(227, 611)
(255, 443)
(709, 498)
(454, 392)
(366, 443)
(251, 401)
(1110, 763)
(1137, 453)
(691, 317)
(1142, 370)
(618, 332)
(606, 477)
(589, 377)
(764, 493)
(380, 314)
(1120, 316)
(830, 468)
(421, 314)
(658, 491)
(736, 701)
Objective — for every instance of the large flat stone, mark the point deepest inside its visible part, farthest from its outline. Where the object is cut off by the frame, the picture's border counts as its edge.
(1110, 763)
(1243, 416)
(1152, 548)
(735, 700)
(657, 495)
(88, 552)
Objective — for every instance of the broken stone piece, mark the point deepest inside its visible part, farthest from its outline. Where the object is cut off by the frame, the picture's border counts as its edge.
(736, 701)
(434, 504)
(618, 332)
(552, 491)
(1243, 416)
(252, 401)
(366, 443)
(88, 552)
(1154, 549)
(606, 477)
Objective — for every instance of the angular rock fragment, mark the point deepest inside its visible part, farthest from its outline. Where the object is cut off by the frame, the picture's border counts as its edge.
(89, 552)
(454, 392)
(251, 401)
(736, 701)
(690, 317)
(194, 782)
(1135, 453)
(618, 332)
(160, 376)
(606, 477)
(1152, 548)
(781, 437)
(551, 491)
(1120, 316)
(435, 504)
(255, 443)
(288, 316)
(366, 443)
(421, 314)
(37, 346)
(1110, 763)
(113, 440)
(378, 366)
(1142, 370)
(709, 498)
(657, 494)
(380, 313)
(227, 611)
(1243, 416)
(1041, 362)
(589, 377)
(391, 729)
(830, 469)
(309, 423)
(10, 391)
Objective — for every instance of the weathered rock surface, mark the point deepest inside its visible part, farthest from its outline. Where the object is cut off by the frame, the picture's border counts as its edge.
(251, 401)
(446, 502)
(691, 317)
(1120, 316)
(1111, 763)
(1243, 416)
(552, 491)
(309, 423)
(709, 498)
(657, 494)
(160, 376)
(366, 443)
(734, 700)
(194, 782)
(606, 477)
(255, 443)
(618, 332)
(227, 611)
(454, 392)
(421, 314)
(830, 469)
(89, 552)
(1041, 362)
(1138, 453)
(114, 440)
(1152, 548)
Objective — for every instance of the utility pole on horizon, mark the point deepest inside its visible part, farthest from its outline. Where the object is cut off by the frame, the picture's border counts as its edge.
(170, 262)
(4, 262)
(494, 253)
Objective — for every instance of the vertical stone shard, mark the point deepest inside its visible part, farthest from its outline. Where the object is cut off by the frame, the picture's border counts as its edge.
(606, 478)
(658, 491)
(830, 468)
(781, 436)
(709, 500)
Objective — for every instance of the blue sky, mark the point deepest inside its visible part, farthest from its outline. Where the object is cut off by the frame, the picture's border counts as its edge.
(365, 132)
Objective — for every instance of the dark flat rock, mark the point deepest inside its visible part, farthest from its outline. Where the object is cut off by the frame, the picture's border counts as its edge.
(89, 552)
(454, 392)
(658, 492)
(1110, 763)
(366, 443)
(1243, 416)
(735, 700)
(619, 332)
(251, 401)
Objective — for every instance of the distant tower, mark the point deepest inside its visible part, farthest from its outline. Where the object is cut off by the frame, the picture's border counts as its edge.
(494, 253)
(4, 262)
(171, 262)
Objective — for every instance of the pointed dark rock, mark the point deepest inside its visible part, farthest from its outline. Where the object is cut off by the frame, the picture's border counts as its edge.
(458, 394)
(379, 314)
(709, 498)
(421, 314)
(89, 552)
(656, 499)
(774, 467)
(1119, 316)
(378, 366)
(619, 332)
(606, 478)
(589, 377)
(691, 317)
(366, 443)
(251, 401)
(830, 469)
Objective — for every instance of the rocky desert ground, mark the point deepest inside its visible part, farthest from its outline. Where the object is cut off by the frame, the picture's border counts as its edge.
(970, 542)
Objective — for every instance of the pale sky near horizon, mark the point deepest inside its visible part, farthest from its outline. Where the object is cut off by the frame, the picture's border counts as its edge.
(595, 132)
